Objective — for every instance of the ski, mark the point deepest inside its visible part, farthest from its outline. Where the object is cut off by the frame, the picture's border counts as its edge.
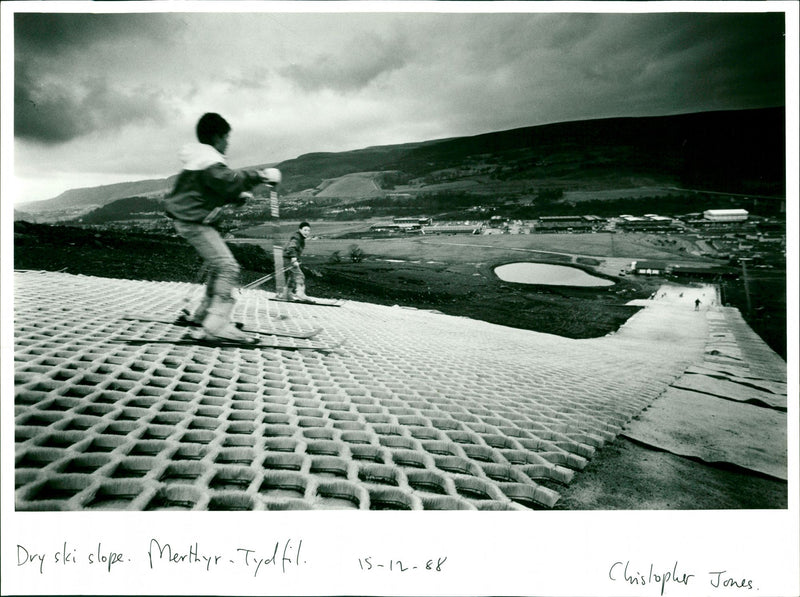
(312, 301)
(259, 344)
(188, 339)
(303, 335)
(181, 321)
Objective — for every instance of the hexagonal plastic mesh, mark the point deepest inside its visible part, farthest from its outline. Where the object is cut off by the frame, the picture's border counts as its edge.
(415, 410)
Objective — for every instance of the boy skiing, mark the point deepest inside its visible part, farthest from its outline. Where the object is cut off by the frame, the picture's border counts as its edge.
(295, 280)
(205, 185)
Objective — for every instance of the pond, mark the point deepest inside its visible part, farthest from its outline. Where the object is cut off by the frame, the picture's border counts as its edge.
(551, 275)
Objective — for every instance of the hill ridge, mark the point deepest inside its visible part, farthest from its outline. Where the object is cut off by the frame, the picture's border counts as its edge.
(726, 150)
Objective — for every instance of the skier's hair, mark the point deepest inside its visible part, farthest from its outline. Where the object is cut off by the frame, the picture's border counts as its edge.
(304, 224)
(211, 125)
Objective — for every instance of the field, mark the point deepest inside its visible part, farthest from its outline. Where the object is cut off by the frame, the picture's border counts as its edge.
(361, 184)
(325, 234)
(474, 248)
(454, 275)
(613, 251)
(640, 191)
(322, 229)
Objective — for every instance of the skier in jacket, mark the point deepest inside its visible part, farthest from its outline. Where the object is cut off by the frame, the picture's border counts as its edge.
(295, 280)
(205, 185)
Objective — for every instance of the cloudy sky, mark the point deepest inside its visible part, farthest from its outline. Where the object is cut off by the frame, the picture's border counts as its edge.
(103, 98)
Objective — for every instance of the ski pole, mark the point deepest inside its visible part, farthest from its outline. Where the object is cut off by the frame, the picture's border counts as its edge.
(266, 278)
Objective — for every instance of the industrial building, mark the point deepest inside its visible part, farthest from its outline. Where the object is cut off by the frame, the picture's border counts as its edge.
(560, 224)
(647, 223)
(725, 215)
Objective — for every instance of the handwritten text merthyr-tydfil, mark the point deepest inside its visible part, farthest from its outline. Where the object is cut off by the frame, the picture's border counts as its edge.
(282, 556)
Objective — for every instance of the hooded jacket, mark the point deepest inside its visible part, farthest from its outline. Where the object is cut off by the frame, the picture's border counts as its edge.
(294, 247)
(206, 184)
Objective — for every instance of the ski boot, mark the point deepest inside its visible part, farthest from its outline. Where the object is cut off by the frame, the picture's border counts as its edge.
(195, 319)
(300, 292)
(218, 327)
(285, 295)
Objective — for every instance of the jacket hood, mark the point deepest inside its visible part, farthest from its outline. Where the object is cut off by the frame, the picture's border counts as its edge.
(199, 156)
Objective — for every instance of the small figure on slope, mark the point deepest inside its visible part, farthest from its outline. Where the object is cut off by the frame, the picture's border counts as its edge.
(295, 280)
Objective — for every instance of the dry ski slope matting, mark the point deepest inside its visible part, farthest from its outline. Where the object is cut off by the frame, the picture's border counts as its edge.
(386, 408)
(728, 409)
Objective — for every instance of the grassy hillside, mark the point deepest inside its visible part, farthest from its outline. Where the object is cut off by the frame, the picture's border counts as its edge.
(732, 152)
(123, 209)
(740, 151)
(735, 151)
(102, 195)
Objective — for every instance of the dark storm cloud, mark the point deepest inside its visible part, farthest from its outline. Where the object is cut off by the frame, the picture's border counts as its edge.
(742, 43)
(38, 33)
(53, 108)
(725, 57)
(56, 113)
(50, 120)
(679, 61)
(353, 68)
(734, 34)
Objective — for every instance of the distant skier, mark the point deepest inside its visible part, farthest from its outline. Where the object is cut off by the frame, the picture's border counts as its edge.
(696, 304)
(295, 280)
(203, 188)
